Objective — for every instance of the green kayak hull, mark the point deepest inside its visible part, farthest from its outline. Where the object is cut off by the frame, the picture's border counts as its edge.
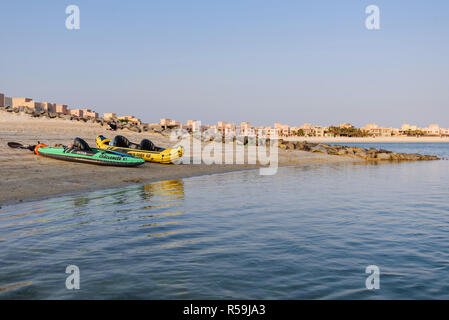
(94, 156)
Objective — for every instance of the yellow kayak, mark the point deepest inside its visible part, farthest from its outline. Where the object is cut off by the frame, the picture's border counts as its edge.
(145, 150)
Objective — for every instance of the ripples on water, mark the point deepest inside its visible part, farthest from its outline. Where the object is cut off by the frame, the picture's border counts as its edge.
(307, 232)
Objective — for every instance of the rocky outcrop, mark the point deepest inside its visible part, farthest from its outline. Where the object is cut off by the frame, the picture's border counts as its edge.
(120, 125)
(367, 154)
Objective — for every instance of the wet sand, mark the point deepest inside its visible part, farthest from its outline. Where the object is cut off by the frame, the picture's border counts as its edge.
(25, 176)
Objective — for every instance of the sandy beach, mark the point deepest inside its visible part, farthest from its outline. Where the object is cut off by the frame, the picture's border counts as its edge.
(25, 176)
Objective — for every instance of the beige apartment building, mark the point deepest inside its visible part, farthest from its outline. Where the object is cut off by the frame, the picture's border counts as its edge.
(62, 109)
(244, 125)
(22, 102)
(375, 131)
(247, 130)
(432, 130)
(345, 126)
(226, 128)
(370, 126)
(407, 127)
(307, 129)
(318, 131)
(165, 122)
(169, 123)
(444, 132)
(261, 132)
(230, 129)
(271, 132)
(131, 119)
(45, 106)
(283, 129)
(176, 124)
(109, 116)
(221, 126)
(87, 113)
(194, 125)
(76, 112)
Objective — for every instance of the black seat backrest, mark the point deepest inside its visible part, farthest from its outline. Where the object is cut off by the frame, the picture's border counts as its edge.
(121, 142)
(80, 144)
(146, 144)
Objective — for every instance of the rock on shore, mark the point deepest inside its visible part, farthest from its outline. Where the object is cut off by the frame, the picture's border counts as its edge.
(133, 127)
(367, 154)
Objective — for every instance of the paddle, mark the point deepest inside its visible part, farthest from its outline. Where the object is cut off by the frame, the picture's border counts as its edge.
(16, 145)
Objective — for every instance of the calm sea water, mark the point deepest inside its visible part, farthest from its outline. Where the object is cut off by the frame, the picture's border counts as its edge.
(308, 232)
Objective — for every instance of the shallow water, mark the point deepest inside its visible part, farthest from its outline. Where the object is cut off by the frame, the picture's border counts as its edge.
(308, 232)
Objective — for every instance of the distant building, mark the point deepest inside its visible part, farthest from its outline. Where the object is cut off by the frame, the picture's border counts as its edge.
(444, 132)
(77, 112)
(193, 125)
(110, 116)
(230, 129)
(87, 113)
(23, 102)
(45, 106)
(284, 129)
(165, 122)
(130, 119)
(247, 130)
(8, 101)
(307, 129)
(212, 129)
(432, 130)
(318, 131)
(244, 125)
(370, 126)
(172, 124)
(62, 109)
(345, 126)
(407, 127)
(221, 126)
(175, 124)
(271, 132)
(2, 100)
(261, 132)
(226, 128)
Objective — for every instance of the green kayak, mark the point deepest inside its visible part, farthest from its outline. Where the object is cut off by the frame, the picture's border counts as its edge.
(92, 155)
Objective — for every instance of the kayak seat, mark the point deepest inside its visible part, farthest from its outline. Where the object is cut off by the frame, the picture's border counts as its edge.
(148, 145)
(145, 144)
(80, 144)
(122, 142)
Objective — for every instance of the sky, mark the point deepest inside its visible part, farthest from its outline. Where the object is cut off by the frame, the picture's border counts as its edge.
(262, 61)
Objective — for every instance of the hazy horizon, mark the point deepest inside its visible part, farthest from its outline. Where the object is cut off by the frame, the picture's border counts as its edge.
(257, 61)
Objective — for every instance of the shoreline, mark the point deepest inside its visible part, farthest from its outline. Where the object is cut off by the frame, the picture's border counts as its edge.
(87, 189)
(44, 193)
(27, 177)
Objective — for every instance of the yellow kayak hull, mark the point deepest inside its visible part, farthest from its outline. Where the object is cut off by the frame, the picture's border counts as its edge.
(170, 155)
